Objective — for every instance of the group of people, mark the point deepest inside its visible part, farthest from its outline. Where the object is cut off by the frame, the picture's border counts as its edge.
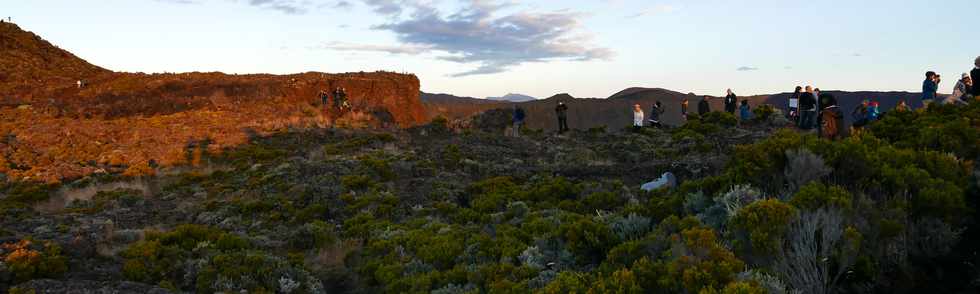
(340, 101)
(807, 107)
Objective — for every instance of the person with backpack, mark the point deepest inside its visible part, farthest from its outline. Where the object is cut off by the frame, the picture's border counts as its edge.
(519, 116)
(929, 87)
(730, 102)
(793, 105)
(684, 108)
(655, 114)
(745, 112)
(901, 107)
(703, 106)
(832, 119)
(637, 118)
(808, 109)
(561, 111)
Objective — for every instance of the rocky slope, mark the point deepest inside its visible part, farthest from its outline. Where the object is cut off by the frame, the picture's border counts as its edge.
(53, 129)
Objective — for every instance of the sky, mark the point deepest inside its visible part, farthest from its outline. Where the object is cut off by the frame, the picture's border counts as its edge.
(480, 48)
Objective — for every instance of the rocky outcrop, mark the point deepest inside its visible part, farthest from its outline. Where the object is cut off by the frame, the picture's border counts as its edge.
(51, 128)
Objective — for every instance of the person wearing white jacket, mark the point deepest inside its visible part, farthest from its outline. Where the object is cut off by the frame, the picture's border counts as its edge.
(637, 117)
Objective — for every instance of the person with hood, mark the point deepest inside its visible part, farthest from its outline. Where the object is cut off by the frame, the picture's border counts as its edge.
(637, 118)
(655, 114)
(744, 111)
(730, 102)
(874, 110)
(808, 109)
(519, 116)
(561, 110)
(975, 73)
(793, 105)
(929, 87)
(684, 108)
(703, 106)
(831, 117)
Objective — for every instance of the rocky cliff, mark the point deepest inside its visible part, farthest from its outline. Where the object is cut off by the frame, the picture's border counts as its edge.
(50, 128)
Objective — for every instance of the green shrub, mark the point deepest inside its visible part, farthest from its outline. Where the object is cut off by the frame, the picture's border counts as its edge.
(816, 195)
(27, 260)
(765, 222)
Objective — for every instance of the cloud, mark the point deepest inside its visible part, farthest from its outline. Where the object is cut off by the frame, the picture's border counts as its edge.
(179, 1)
(284, 6)
(659, 9)
(476, 35)
(398, 49)
(747, 68)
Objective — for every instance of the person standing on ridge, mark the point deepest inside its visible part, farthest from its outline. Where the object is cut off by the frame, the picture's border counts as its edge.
(831, 118)
(730, 102)
(519, 116)
(744, 111)
(975, 90)
(901, 107)
(655, 114)
(324, 99)
(929, 87)
(703, 106)
(860, 116)
(561, 110)
(961, 91)
(684, 108)
(637, 118)
(793, 107)
(808, 109)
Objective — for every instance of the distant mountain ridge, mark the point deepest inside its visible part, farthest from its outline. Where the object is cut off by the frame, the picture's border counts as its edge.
(616, 110)
(513, 98)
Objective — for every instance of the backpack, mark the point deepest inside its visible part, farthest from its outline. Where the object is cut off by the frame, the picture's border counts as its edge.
(830, 124)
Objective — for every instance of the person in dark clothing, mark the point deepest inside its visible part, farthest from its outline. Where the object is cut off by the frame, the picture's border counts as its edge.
(703, 107)
(929, 88)
(731, 102)
(975, 74)
(808, 109)
(860, 114)
(561, 110)
(655, 114)
(519, 116)
(324, 99)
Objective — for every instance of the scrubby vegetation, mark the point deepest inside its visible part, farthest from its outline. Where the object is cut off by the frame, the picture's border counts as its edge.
(892, 210)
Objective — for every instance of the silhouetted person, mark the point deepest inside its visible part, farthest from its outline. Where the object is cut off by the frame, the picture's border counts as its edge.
(975, 73)
(808, 109)
(961, 91)
(703, 106)
(655, 113)
(562, 112)
(519, 116)
(730, 102)
(929, 87)
(324, 99)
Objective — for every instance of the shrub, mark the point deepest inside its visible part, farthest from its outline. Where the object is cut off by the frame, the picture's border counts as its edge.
(804, 167)
(819, 250)
(26, 260)
(817, 195)
(765, 222)
(763, 112)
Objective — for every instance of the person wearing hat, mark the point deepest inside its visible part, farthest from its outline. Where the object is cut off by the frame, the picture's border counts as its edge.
(961, 92)
(561, 110)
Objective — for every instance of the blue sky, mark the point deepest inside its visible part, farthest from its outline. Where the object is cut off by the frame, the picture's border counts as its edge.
(588, 48)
